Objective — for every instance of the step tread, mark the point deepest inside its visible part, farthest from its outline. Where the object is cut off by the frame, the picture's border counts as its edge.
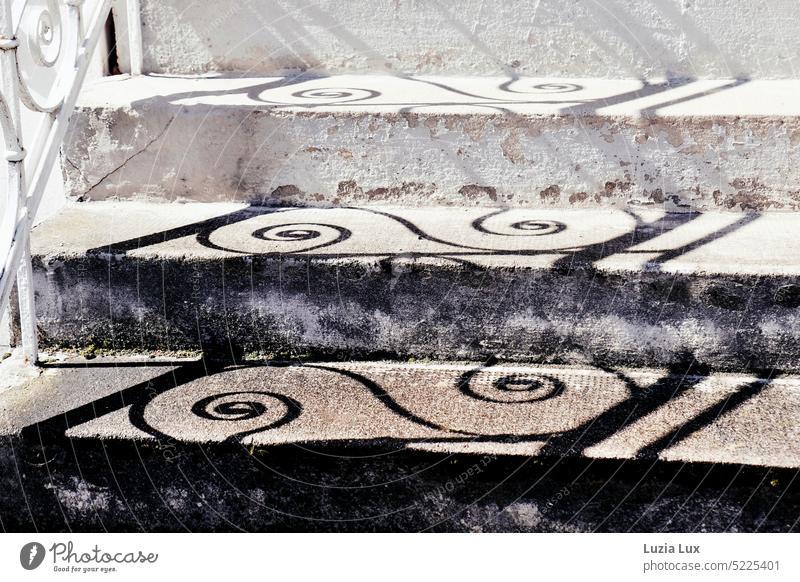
(635, 240)
(350, 140)
(355, 94)
(532, 285)
(450, 408)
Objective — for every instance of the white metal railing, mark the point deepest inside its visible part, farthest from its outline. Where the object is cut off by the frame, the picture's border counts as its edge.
(59, 42)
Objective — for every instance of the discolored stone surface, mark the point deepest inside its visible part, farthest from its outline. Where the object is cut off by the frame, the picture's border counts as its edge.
(682, 145)
(570, 287)
(127, 444)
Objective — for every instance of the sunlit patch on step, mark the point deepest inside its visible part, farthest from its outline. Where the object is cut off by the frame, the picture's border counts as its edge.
(490, 409)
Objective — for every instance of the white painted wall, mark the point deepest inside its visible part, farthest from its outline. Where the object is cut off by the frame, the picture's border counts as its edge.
(570, 38)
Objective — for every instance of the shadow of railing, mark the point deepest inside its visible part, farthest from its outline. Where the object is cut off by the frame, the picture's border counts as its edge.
(484, 233)
(560, 241)
(206, 401)
(511, 95)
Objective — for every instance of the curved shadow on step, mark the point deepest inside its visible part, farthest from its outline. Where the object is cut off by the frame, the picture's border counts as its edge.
(508, 96)
(561, 412)
(284, 232)
(519, 254)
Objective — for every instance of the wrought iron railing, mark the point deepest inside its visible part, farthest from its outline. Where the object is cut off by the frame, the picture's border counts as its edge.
(56, 40)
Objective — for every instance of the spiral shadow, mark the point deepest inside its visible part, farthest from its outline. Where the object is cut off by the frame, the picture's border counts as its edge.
(337, 94)
(525, 227)
(320, 96)
(539, 88)
(292, 232)
(513, 388)
(244, 406)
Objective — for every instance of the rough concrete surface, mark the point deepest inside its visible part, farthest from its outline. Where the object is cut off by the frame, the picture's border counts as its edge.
(115, 444)
(564, 286)
(632, 39)
(495, 203)
(448, 408)
(124, 486)
(682, 145)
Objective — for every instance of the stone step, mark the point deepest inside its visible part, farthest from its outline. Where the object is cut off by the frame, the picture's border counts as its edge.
(128, 444)
(483, 409)
(611, 287)
(416, 141)
(632, 39)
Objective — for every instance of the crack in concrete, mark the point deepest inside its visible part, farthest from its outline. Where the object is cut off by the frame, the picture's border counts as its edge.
(75, 166)
(125, 161)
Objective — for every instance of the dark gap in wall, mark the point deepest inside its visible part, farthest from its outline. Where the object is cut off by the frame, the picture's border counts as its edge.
(112, 63)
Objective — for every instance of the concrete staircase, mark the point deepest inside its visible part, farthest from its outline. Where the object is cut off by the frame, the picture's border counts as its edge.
(394, 229)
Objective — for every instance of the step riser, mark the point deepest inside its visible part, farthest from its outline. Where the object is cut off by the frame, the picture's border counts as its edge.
(639, 38)
(295, 305)
(157, 443)
(629, 288)
(206, 153)
(103, 485)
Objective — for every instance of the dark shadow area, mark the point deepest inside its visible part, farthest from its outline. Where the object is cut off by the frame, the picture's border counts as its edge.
(139, 487)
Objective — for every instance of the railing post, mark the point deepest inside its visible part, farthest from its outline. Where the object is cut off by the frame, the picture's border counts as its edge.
(27, 307)
(66, 48)
(134, 22)
(16, 194)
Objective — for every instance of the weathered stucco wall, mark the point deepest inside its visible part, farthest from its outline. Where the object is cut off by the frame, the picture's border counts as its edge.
(608, 38)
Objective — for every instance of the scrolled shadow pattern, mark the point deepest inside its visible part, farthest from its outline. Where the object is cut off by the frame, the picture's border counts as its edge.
(290, 237)
(302, 232)
(337, 94)
(512, 91)
(277, 409)
(497, 232)
(516, 388)
(406, 404)
(233, 415)
(546, 411)
(532, 227)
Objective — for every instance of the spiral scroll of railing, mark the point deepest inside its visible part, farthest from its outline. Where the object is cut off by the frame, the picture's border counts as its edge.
(45, 53)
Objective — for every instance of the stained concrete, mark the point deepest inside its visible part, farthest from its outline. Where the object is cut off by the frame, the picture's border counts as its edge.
(129, 444)
(480, 409)
(617, 287)
(681, 145)
(632, 39)
(99, 486)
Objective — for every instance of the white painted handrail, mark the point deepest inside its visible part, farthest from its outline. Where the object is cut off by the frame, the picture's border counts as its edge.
(56, 39)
